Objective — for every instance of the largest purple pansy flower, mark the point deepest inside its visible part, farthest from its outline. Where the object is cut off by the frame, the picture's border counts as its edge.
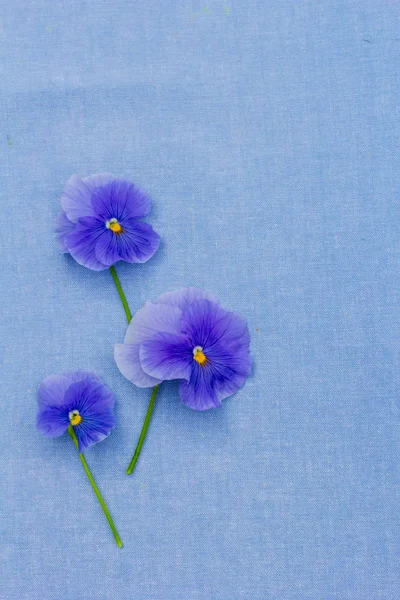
(186, 335)
(99, 223)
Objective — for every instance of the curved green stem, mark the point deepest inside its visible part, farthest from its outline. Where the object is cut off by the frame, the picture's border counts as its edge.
(96, 489)
(143, 434)
(121, 294)
(149, 413)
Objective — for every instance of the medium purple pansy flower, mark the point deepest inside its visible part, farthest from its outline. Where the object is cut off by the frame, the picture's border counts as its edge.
(78, 402)
(80, 399)
(99, 223)
(187, 335)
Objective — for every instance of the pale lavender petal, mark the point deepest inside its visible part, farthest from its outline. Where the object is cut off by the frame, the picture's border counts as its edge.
(81, 375)
(76, 199)
(128, 362)
(98, 180)
(166, 356)
(62, 227)
(152, 319)
(184, 297)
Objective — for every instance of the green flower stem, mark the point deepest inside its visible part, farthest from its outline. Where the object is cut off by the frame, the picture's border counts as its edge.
(143, 434)
(150, 408)
(96, 489)
(121, 294)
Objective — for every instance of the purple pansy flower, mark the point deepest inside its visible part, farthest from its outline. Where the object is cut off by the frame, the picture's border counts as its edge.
(99, 222)
(80, 403)
(80, 399)
(186, 335)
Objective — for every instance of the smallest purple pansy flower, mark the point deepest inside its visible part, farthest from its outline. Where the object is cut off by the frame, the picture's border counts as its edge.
(78, 402)
(79, 399)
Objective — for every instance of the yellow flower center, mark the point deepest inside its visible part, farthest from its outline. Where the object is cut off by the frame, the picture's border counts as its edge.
(74, 417)
(199, 356)
(114, 225)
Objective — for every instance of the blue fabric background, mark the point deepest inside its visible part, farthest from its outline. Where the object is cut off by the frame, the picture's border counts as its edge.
(267, 133)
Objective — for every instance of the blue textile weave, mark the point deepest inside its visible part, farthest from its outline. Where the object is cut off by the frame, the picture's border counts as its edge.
(267, 133)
